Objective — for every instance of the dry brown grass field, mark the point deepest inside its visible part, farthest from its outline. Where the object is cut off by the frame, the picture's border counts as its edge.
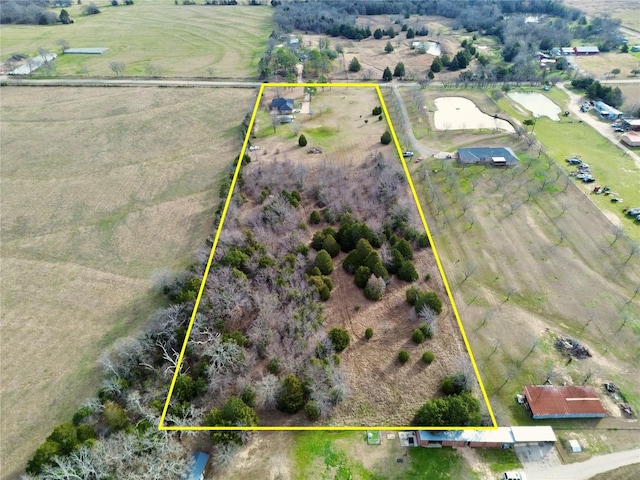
(100, 189)
(526, 271)
(600, 66)
(627, 11)
(381, 390)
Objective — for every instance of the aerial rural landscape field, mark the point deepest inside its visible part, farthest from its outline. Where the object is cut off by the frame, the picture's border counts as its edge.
(324, 304)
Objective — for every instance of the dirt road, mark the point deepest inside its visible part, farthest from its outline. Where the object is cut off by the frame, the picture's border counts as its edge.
(603, 128)
(583, 470)
(407, 129)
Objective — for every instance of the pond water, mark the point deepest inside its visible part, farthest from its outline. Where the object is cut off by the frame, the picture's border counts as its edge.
(537, 104)
(458, 113)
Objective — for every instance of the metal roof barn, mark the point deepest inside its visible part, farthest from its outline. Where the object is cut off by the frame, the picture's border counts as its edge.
(548, 401)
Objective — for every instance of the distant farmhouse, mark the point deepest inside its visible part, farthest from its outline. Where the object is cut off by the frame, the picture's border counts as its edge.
(631, 124)
(586, 50)
(503, 437)
(497, 156)
(606, 111)
(549, 401)
(282, 105)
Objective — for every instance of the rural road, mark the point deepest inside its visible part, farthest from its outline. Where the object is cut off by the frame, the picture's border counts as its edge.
(583, 470)
(603, 128)
(408, 130)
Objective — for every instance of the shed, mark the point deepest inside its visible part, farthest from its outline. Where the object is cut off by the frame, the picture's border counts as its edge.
(566, 51)
(586, 50)
(200, 460)
(498, 438)
(86, 51)
(550, 401)
(631, 139)
(33, 64)
(606, 111)
(631, 123)
(282, 105)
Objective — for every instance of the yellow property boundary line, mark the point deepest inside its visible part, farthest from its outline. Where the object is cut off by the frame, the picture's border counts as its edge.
(162, 426)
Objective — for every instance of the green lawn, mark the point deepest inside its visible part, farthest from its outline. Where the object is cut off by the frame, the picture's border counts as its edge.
(500, 459)
(195, 41)
(343, 455)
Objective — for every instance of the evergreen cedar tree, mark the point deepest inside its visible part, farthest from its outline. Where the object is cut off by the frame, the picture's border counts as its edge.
(354, 65)
(386, 138)
(302, 140)
(387, 76)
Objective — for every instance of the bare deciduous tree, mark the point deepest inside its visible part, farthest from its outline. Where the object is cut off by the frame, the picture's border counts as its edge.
(118, 68)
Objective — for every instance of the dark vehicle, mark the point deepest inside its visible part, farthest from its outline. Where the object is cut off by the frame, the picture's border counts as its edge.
(574, 161)
(407, 153)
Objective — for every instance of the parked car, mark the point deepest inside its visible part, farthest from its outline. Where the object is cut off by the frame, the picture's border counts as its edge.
(513, 476)
(407, 153)
(574, 161)
(618, 129)
(253, 148)
(633, 212)
(615, 125)
(589, 179)
(297, 110)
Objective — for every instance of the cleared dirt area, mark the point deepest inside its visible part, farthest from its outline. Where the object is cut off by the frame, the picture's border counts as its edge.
(100, 189)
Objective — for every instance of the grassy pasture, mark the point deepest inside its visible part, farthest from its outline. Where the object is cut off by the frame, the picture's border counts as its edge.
(609, 164)
(100, 189)
(524, 271)
(601, 65)
(181, 40)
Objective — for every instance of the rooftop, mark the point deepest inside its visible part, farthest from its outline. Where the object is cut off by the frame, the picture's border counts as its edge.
(549, 401)
(490, 155)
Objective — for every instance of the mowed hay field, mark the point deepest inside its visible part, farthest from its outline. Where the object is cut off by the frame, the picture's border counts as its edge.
(527, 268)
(101, 188)
(180, 40)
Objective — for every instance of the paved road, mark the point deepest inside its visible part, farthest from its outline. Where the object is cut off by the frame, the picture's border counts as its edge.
(603, 128)
(582, 470)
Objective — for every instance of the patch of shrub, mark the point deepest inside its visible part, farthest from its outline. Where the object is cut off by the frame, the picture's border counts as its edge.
(312, 410)
(292, 397)
(331, 246)
(403, 356)
(455, 384)
(417, 336)
(375, 288)
(429, 299)
(248, 396)
(315, 217)
(323, 262)
(423, 240)
(339, 338)
(407, 272)
(412, 294)
(428, 357)
(426, 330)
(274, 366)
(302, 140)
(386, 138)
(362, 276)
(368, 333)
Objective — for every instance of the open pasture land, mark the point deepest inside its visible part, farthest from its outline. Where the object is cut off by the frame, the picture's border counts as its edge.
(177, 40)
(625, 10)
(352, 174)
(530, 257)
(100, 189)
(609, 165)
(601, 65)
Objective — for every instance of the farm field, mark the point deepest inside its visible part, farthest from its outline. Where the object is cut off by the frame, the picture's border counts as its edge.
(346, 174)
(177, 40)
(621, 9)
(120, 184)
(601, 65)
(528, 264)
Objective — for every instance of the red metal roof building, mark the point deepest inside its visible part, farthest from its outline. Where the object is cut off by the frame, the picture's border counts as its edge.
(548, 401)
